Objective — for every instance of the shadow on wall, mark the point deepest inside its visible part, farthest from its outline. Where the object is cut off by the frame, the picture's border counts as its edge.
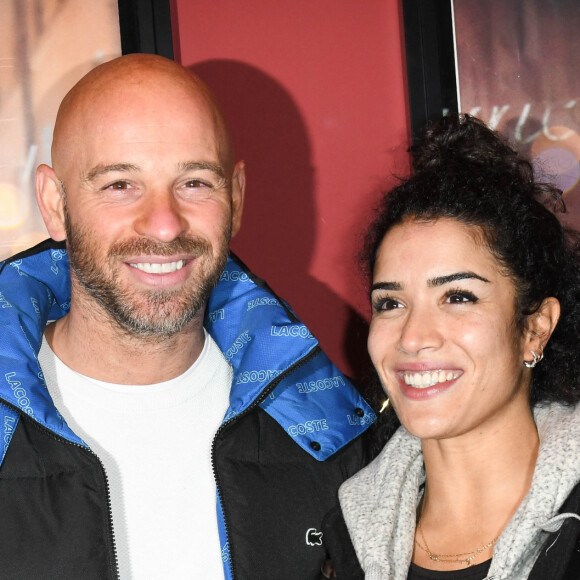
(278, 234)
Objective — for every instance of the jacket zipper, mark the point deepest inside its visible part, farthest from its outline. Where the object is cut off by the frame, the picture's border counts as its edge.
(59, 438)
(256, 402)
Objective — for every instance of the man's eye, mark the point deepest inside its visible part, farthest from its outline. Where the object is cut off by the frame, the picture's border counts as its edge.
(118, 185)
(194, 183)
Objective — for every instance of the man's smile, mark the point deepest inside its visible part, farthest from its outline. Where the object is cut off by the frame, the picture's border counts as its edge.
(159, 268)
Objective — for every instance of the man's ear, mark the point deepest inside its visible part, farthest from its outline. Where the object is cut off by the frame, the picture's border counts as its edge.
(540, 325)
(49, 196)
(238, 191)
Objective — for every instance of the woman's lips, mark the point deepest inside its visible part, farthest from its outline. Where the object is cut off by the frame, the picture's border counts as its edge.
(424, 379)
(420, 385)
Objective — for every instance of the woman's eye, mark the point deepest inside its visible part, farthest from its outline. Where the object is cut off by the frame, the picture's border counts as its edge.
(462, 297)
(386, 304)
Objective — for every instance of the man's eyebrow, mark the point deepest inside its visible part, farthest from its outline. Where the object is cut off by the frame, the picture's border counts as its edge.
(441, 280)
(195, 165)
(100, 169)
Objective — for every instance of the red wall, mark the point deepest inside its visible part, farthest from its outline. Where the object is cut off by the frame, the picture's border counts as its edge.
(314, 92)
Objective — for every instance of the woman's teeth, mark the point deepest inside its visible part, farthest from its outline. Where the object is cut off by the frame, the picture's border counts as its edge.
(156, 268)
(426, 379)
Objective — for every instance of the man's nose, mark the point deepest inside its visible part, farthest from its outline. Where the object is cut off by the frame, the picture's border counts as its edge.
(160, 217)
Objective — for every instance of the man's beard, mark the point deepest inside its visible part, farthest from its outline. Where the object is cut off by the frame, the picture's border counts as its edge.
(145, 313)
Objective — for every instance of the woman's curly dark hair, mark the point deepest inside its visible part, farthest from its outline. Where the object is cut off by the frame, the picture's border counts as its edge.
(465, 171)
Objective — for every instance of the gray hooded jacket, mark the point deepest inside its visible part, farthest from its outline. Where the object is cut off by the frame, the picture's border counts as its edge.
(379, 503)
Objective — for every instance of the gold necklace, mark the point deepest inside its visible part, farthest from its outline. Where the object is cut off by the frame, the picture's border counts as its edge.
(454, 558)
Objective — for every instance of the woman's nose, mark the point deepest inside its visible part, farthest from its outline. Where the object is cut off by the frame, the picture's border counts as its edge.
(420, 331)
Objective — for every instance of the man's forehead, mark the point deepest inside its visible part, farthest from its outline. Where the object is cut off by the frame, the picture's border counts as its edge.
(140, 112)
(146, 106)
(172, 126)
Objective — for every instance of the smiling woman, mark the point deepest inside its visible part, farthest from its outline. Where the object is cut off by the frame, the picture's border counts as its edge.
(443, 338)
(473, 283)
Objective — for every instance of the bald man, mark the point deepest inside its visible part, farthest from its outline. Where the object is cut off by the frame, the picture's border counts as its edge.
(175, 420)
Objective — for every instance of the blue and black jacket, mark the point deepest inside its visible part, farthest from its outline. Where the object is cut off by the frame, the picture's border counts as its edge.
(288, 440)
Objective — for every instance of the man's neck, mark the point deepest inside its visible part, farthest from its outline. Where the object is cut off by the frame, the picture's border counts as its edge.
(93, 345)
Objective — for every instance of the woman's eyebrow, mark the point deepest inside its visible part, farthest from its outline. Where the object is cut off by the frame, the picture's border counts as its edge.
(441, 280)
(437, 281)
(386, 286)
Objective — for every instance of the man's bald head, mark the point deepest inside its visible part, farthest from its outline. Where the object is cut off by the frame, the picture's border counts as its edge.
(135, 84)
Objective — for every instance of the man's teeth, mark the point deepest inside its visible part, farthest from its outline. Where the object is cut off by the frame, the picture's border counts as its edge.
(426, 379)
(156, 268)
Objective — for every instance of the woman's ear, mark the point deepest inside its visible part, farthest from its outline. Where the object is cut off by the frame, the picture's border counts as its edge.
(50, 199)
(540, 325)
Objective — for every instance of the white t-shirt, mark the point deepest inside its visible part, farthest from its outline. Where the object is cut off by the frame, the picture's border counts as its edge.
(155, 444)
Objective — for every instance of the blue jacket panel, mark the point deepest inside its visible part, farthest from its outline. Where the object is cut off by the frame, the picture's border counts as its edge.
(272, 352)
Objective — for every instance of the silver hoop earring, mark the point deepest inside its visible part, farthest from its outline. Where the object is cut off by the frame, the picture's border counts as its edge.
(537, 359)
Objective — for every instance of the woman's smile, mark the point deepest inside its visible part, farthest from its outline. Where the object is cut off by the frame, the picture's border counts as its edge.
(425, 379)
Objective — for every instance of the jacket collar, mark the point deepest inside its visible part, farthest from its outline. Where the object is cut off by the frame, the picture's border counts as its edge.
(258, 333)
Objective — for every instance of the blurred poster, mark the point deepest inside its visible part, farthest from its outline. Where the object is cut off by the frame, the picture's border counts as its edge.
(518, 69)
(45, 47)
